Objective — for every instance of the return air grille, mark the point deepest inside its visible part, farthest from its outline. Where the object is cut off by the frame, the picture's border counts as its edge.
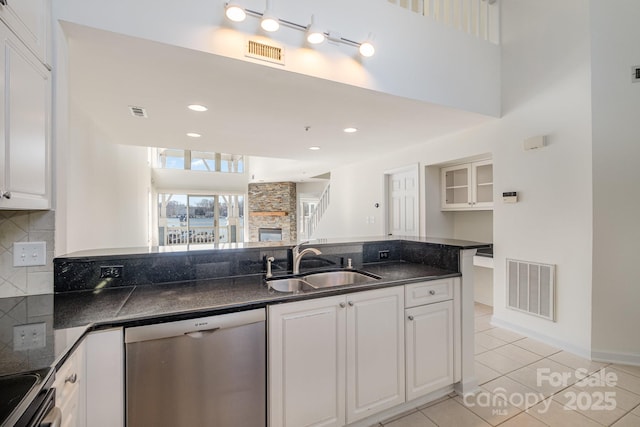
(531, 288)
(265, 52)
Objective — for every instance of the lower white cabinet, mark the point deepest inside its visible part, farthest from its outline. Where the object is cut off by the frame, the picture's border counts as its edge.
(70, 385)
(90, 383)
(336, 360)
(429, 343)
(105, 378)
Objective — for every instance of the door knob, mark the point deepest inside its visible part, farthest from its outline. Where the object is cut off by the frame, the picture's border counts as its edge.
(6, 194)
(410, 317)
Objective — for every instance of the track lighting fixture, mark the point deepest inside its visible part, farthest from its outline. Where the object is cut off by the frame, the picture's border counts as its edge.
(314, 35)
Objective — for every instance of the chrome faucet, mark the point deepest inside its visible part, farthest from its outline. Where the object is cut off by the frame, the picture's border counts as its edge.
(297, 255)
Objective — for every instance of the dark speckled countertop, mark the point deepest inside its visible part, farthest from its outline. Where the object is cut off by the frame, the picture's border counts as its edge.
(136, 305)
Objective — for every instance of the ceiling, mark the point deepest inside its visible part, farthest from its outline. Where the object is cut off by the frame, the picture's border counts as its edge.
(254, 110)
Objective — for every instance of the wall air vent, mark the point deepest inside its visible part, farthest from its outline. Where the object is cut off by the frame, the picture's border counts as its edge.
(265, 52)
(531, 288)
(138, 111)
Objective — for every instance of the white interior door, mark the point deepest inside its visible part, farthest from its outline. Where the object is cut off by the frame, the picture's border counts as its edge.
(402, 195)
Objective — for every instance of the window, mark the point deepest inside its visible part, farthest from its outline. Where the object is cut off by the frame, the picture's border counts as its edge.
(169, 158)
(195, 219)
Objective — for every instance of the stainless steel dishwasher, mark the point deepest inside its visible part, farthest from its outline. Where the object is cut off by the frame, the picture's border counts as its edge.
(200, 372)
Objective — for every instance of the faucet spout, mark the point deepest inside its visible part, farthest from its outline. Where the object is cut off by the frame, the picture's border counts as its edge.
(297, 255)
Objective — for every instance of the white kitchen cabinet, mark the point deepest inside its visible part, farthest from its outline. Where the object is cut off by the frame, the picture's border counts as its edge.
(105, 378)
(335, 360)
(306, 362)
(429, 343)
(467, 186)
(432, 339)
(25, 127)
(30, 20)
(375, 352)
(70, 386)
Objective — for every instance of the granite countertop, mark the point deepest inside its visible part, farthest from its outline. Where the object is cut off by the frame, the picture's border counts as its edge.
(69, 315)
(137, 305)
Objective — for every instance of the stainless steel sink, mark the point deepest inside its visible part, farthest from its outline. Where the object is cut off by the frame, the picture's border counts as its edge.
(338, 278)
(289, 285)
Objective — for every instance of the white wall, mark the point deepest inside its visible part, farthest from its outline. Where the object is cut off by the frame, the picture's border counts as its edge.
(415, 58)
(616, 176)
(476, 226)
(105, 190)
(546, 91)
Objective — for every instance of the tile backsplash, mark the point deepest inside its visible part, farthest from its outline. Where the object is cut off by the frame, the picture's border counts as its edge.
(25, 226)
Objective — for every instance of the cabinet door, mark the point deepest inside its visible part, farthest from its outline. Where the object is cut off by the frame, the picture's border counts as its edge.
(29, 19)
(429, 342)
(70, 386)
(105, 378)
(25, 104)
(375, 352)
(307, 363)
(482, 173)
(456, 187)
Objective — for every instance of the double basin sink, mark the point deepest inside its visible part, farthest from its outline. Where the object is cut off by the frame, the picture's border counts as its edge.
(321, 280)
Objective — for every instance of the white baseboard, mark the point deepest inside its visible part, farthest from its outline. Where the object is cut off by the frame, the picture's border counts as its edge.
(571, 348)
(620, 358)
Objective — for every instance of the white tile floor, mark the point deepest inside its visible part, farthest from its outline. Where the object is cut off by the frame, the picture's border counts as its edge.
(526, 383)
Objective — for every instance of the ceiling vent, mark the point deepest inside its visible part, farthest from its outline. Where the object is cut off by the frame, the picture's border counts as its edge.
(138, 111)
(265, 52)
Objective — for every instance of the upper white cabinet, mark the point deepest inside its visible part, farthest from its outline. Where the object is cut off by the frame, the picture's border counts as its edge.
(30, 21)
(25, 127)
(467, 186)
(321, 369)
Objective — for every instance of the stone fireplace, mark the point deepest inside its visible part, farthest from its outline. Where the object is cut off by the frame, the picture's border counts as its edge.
(272, 211)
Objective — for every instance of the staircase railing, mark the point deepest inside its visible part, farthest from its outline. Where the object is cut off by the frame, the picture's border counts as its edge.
(319, 211)
(480, 18)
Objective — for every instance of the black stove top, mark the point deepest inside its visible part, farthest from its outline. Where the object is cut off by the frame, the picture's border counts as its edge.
(14, 389)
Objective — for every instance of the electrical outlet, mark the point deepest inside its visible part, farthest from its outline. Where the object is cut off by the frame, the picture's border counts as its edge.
(383, 254)
(30, 336)
(26, 254)
(111, 271)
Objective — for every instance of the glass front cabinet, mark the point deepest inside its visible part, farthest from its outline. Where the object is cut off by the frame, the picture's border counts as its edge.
(467, 186)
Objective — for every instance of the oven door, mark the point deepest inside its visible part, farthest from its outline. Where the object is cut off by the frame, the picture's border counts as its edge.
(42, 412)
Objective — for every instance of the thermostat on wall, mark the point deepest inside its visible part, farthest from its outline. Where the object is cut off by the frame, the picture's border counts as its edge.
(510, 197)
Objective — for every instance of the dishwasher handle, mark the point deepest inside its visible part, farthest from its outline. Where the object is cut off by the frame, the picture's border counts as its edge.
(201, 333)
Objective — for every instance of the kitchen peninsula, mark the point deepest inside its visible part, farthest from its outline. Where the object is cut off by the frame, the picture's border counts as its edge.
(99, 294)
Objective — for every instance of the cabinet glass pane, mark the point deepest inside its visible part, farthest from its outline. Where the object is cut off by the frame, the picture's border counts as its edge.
(484, 174)
(484, 194)
(457, 195)
(456, 178)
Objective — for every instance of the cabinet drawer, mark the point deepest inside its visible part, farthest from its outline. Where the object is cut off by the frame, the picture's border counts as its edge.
(428, 292)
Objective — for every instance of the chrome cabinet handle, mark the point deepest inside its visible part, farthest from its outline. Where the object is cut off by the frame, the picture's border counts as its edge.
(432, 292)
(410, 317)
(3, 2)
(71, 378)
(342, 305)
(350, 303)
(6, 194)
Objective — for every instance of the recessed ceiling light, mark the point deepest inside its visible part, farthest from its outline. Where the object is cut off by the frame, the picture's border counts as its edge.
(314, 148)
(194, 135)
(197, 107)
(350, 130)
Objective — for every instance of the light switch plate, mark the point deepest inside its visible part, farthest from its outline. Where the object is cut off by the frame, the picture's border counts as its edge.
(30, 336)
(26, 254)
